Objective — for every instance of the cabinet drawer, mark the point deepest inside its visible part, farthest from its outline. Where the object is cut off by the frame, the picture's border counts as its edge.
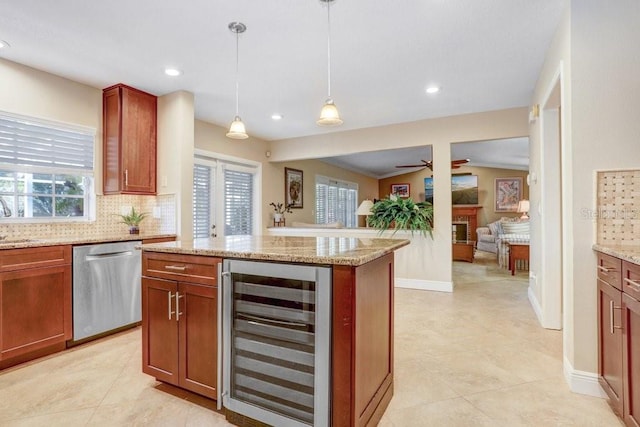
(43, 256)
(187, 268)
(631, 279)
(610, 270)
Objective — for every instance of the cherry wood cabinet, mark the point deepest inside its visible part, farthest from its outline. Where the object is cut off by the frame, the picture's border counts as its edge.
(619, 335)
(35, 302)
(179, 320)
(631, 342)
(362, 342)
(129, 141)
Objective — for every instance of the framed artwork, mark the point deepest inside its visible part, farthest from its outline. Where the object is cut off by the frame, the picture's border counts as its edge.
(293, 188)
(401, 190)
(508, 192)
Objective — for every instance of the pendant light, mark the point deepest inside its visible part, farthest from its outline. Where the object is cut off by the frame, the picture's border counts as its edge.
(237, 130)
(329, 115)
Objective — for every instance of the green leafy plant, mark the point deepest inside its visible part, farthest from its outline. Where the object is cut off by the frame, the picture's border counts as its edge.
(402, 214)
(133, 218)
(280, 208)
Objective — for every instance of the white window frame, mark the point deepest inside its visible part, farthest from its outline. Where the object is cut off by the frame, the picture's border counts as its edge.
(219, 162)
(89, 174)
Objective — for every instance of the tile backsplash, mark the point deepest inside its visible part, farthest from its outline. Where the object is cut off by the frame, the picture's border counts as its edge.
(618, 208)
(107, 220)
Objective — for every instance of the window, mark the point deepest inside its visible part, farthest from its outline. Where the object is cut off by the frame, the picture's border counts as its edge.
(46, 169)
(336, 201)
(238, 207)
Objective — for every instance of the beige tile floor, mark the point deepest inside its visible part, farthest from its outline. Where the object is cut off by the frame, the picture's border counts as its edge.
(476, 357)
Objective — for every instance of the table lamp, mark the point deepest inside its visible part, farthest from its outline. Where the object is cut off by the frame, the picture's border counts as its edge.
(523, 206)
(365, 209)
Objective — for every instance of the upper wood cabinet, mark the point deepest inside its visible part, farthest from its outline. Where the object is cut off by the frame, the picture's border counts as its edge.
(129, 138)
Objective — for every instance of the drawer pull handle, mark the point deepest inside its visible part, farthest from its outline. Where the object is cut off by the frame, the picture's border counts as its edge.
(126, 177)
(176, 267)
(635, 285)
(605, 269)
(611, 325)
(170, 295)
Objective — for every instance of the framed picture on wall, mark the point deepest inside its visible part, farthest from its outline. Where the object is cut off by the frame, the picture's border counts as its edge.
(507, 194)
(401, 190)
(293, 188)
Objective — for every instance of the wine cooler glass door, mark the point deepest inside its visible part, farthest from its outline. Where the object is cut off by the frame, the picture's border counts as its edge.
(276, 340)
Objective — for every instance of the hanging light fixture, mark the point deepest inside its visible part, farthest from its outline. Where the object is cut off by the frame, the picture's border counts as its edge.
(329, 115)
(237, 130)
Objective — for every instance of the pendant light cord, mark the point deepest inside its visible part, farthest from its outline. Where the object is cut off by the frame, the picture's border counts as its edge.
(237, 74)
(329, 49)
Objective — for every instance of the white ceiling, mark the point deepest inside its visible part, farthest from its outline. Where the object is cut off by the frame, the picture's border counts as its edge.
(485, 55)
(505, 154)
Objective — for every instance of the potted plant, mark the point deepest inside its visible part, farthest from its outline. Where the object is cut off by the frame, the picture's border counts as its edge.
(402, 214)
(279, 209)
(133, 220)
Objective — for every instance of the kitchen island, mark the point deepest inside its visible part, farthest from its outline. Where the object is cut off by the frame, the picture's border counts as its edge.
(186, 312)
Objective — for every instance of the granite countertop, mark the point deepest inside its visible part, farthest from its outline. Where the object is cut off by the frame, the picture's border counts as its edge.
(18, 243)
(628, 253)
(311, 250)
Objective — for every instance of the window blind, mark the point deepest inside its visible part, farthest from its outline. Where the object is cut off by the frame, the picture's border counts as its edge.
(201, 200)
(238, 213)
(336, 201)
(30, 142)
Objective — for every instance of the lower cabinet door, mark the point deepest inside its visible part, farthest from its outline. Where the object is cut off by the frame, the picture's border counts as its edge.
(631, 359)
(35, 310)
(610, 343)
(160, 329)
(198, 348)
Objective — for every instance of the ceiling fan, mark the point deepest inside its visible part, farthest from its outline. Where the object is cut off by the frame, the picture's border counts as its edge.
(455, 164)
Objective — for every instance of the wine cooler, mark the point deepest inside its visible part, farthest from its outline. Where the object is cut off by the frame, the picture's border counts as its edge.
(276, 347)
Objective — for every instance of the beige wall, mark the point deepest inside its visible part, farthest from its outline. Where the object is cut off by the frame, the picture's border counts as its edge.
(175, 156)
(595, 49)
(367, 186)
(212, 138)
(605, 131)
(30, 92)
(486, 181)
(439, 133)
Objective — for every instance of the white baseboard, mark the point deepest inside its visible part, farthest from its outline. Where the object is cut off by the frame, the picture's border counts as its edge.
(424, 285)
(582, 382)
(535, 304)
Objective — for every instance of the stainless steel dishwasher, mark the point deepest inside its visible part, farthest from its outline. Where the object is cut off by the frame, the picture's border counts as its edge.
(106, 287)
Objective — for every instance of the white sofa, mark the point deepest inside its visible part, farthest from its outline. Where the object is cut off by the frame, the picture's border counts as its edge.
(497, 236)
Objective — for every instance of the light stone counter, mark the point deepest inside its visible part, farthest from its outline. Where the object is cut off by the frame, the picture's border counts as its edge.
(353, 251)
(627, 253)
(11, 243)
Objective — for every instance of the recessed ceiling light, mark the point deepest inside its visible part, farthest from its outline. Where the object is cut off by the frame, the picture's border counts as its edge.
(276, 116)
(433, 89)
(173, 72)
(4, 44)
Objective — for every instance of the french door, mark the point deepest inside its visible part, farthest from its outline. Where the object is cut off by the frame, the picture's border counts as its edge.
(225, 196)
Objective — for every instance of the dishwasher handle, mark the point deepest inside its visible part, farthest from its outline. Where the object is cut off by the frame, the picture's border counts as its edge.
(107, 255)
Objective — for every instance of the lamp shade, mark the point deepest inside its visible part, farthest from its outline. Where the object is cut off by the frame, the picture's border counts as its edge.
(365, 208)
(329, 115)
(523, 206)
(237, 130)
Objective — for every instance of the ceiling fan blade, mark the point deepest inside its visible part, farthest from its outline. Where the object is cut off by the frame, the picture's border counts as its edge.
(459, 162)
(411, 166)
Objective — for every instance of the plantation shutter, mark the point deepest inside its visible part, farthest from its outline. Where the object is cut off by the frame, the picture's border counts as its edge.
(29, 142)
(336, 201)
(202, 190)
(238, 212)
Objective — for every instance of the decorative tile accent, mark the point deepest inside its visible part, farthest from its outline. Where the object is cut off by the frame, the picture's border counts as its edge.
(618, 208)
(107, 220)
